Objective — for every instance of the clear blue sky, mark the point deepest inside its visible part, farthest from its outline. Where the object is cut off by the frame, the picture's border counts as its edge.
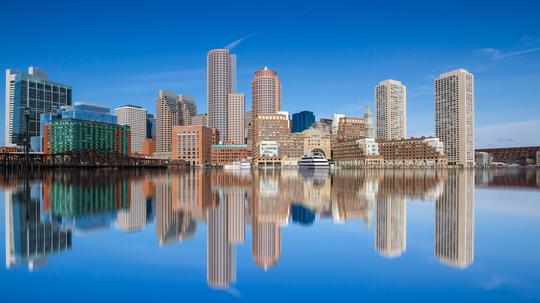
(329, 54)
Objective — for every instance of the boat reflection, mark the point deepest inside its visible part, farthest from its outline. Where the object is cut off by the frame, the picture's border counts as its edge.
(43, 215)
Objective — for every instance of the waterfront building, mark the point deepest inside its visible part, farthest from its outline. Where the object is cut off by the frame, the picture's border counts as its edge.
(171, 110)
(148, 147)
(221, 81)
(454, 220)
(391, 109)
(34, 91)
(350, 128)
(413, 152)
(135, 117)
(150, 127)
(235, 118)
(454, 115)
(192, 144)
(268, 150)
(335, 123)
(357, 153)
(302, 121)
(266, 92)
(222, 154)
(200, 119)
(315, 140)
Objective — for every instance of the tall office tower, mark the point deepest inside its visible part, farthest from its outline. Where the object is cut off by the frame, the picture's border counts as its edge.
(133, 218)
(369, 120)
(266, 92)
(391, 231)
(35, 91)
(302, 121)
(171, 110)
(200, 119)
(454, 220)
(134, 117)
(235, 116)
(150, 126)
(190, 108)
(221, 259)
(454, 115)
(221, 80)
(391, 109)
(335, 122)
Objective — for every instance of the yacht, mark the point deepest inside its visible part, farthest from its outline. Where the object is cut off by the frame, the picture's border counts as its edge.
(238, 165)
(313, 160)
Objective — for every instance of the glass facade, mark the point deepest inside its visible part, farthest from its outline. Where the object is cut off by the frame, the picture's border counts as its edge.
(302, 121)
(41, 96)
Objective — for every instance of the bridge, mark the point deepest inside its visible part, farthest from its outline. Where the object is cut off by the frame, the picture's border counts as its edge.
(513, 155)
(82, 158)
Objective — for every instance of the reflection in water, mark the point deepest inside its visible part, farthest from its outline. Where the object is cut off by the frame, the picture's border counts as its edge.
(41, 215)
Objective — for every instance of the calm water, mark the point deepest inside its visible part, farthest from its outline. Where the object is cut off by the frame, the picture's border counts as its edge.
(272, 236)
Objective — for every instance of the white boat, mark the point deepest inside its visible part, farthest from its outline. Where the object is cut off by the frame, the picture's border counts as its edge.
(245, 165)
(313, 160)
(238, 165)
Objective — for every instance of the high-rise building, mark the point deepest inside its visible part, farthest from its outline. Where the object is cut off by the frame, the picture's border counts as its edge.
(454, 115)
(235, 123)
(266, 92)
(369, 120)
(150, 127)
(302, 121)
(34, 91)
(134, 117)
(191, 105)
(391, 109)
(221, 81)
(171, 110)
(335, 122)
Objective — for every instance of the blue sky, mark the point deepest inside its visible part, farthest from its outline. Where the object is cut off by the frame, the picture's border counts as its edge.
(329, 55)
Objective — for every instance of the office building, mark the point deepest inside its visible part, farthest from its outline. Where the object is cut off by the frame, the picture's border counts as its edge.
(135, 117)
(200, 119)
(171, 110)
(357, 153)
(190, 107)
(454, 115)
(266, 92)
(335, 123)
(369, 121)
(150, 127)
(350, 128)
(221, 81)
(391, 110)
(192, 144)
(222, 154)
(148, 147)
(34, 91)
(302, 121)
(235, 119)
(413, 152)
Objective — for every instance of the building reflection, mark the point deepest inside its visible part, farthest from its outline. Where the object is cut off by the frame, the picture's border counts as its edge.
(454, 220)
(41, 223)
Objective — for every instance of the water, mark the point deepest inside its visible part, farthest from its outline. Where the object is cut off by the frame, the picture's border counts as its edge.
(268, 236)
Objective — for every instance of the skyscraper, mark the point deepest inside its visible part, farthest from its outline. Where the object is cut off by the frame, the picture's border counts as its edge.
(190, 108)
(134, 117)
(150, 126)
(454, 115)
(266, 92)
(35, 91)
(221, 81)
(235, 116)
(171, 110)
(369, 120)
(302, 121)
(391, 109)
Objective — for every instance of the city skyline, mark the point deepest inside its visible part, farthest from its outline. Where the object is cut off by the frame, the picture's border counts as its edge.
(133, 76)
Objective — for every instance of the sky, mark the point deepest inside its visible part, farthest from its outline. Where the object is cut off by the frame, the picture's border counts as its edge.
(329, 55)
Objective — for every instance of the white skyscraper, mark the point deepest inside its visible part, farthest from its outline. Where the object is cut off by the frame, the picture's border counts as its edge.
(454, 115)
(236, 118)
(391, 110)
(221, 81)
(134, 117)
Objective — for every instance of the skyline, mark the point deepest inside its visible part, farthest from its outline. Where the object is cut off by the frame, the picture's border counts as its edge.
(114, 65)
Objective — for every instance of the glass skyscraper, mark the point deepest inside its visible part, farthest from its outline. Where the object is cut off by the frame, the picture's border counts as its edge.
(302, 121)
(35, 91)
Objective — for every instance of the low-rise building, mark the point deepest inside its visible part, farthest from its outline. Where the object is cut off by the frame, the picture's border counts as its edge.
(412, 152)
(482, 159)
(192, 144)
(350, 128)
(357, 153)
(148, 147)
(222, 154)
